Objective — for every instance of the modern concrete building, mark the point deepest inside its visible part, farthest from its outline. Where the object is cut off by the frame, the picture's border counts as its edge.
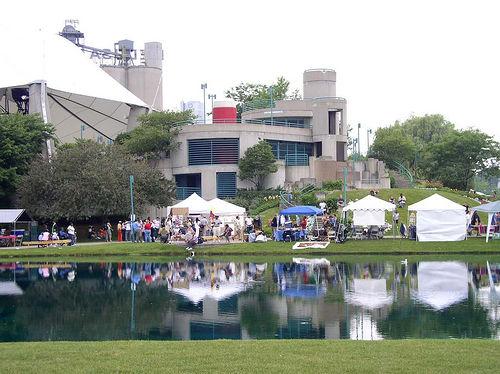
(308, 138)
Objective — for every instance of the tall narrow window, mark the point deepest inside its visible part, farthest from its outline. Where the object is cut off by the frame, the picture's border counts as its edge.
(226, 185)
(332, 122)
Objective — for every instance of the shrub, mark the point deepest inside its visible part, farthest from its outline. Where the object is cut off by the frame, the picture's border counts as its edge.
(333, 185)
(309, 199)
(332, 204)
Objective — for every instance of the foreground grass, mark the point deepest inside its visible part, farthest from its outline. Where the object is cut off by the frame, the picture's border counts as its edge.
(315, 356)
(475, 246)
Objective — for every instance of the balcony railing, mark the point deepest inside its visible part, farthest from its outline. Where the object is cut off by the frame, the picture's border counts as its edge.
(268, 104)
(182, 193)
(266, 122)
(296, 159)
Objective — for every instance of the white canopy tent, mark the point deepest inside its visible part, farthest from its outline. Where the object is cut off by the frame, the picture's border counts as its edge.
(369, 293)
(74, 91)
(195, 204)
(369, 211)
(439, 219)
(491, 209)
(441, 284)
(224, 208)
(196, 292)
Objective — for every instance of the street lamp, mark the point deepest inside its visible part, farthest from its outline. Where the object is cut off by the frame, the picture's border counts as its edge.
(212, 97)
(270, 90)
(368, 132)
(359, 143)
(204, 87)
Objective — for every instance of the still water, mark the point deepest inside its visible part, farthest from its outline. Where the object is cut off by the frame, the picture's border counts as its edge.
(314, 299)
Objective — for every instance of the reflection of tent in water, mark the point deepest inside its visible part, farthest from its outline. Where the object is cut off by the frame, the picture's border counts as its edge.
(304, 291)
(10, 289)
(369, 293)
(490, 299)
(196, 292)
(441, 284)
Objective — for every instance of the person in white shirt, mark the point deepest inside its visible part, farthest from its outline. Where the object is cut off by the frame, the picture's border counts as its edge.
(71, 233)
(249, 224)
(322, 206)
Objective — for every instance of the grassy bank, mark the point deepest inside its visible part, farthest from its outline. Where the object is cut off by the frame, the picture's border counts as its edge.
(311, 356)
(155, 251)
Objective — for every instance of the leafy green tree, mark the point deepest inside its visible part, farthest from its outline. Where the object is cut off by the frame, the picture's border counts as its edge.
(21, 139)
(88, 179)
(460, 155)
(247, 92)
(156, 134)
(393, 144)
(257, 163)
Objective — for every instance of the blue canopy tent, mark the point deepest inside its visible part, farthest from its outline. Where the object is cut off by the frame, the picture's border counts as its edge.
(302, 210)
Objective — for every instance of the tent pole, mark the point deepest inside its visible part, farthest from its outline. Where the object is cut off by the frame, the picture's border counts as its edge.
(490, 216)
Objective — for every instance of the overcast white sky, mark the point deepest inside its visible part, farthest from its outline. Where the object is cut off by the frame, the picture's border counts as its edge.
(393, 58)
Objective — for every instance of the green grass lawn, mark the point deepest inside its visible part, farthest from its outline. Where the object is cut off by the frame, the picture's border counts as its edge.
(150, 251)
(310, 356)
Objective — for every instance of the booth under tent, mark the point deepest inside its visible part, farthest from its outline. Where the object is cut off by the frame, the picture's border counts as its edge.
(15, 226)
(491, 209)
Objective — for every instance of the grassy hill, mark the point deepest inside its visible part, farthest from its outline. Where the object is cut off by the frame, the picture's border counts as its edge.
(412, 195)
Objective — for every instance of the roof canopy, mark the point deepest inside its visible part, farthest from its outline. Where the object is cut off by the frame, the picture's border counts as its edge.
(370, 203)
(300, 210)
(75, 84)
(369, 293)
(195, 205)
(436, 202)
(14, 215)
(492, 207)
(224, 208)
(442, 284)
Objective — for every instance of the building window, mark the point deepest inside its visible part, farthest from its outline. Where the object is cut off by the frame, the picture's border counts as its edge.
(294, 153)
(332, 122)
(213, 151)
(319, 149)
(226, 185)
(340, 151)
(187, 184)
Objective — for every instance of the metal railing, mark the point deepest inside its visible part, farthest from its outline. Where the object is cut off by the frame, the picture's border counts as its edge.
(266, 122)
(182, 193)
(296, 159)
(403, 171)
(267, 104)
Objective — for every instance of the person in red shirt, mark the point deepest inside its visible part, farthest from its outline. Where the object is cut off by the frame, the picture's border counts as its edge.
(147, 231)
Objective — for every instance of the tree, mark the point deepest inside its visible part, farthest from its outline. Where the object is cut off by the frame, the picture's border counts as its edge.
(21, 139)
(155, 136)
(393, 144)
(460, 155)
(247, 92)
(88, 179)
(257, 163)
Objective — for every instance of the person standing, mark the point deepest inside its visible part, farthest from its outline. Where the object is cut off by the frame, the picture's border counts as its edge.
(119, 231)
(147, 231)
(71, 233)
(109, 232)
(238, 235)
(249, 224)
(136, 232)
(128, 236)
(155, 228)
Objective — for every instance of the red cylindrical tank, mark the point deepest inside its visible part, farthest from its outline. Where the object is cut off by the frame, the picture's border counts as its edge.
(224, 112)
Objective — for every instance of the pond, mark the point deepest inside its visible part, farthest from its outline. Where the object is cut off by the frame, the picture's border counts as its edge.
(190, 300)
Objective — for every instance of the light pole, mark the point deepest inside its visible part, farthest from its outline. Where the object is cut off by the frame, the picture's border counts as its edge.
(368, 132)
(82, 129)
(271, 102)
(204, 87)
(212, 97)
(359, 143)
(132, 215)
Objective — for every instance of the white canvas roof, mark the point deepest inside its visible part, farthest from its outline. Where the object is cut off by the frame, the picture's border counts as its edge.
(195, 204)
(436, 202)
(10, 288)
(441, 284)
(369, 293)
(10, 215)
(369, 211)
(224, 208)
(196, 292)
(370, 203)
(490, 208)
(72, 80)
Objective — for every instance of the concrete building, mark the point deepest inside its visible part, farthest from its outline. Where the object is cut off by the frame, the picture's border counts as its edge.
(308, 138)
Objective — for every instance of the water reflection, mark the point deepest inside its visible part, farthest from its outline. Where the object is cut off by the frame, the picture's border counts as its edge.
(211, 300)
